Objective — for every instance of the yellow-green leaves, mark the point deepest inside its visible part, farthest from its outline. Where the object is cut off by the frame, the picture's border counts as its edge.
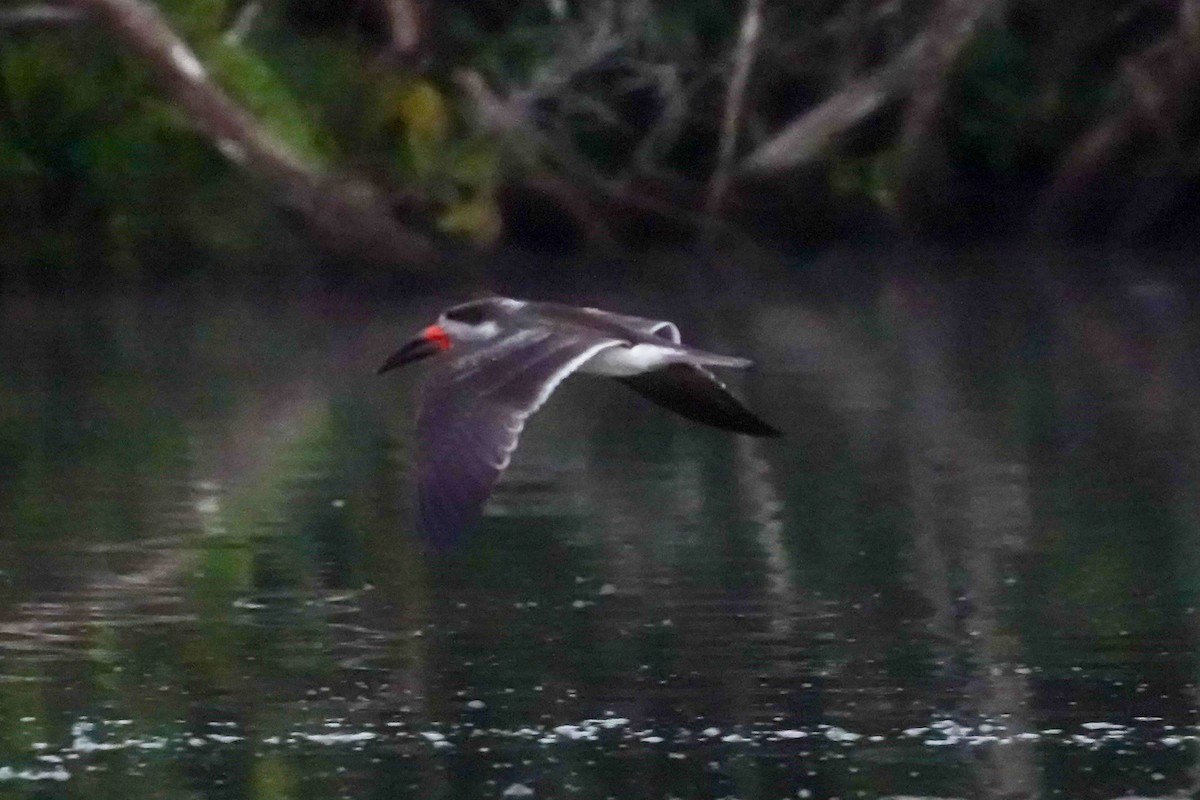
(426, 120)
(476, 218)
(455, 169)
(415, 112)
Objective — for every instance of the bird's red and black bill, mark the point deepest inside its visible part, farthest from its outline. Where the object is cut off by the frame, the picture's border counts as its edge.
(428, 342)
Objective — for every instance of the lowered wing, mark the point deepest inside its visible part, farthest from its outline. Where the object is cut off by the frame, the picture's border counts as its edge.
(473, 409)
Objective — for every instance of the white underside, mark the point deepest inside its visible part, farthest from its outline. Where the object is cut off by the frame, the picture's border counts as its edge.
(621, 362)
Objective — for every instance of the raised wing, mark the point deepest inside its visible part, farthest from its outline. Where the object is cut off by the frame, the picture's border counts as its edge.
(648, 327)
(473, 409)
(694, 392)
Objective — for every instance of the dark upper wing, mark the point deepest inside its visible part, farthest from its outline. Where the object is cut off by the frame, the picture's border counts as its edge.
(695, 393)
(472, 411)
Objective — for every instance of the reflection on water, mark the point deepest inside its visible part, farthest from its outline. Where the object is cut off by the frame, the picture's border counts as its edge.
(970, 570)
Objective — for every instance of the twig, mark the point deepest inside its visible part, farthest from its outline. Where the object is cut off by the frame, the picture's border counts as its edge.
(348, 217)
(243, 21)
(807, 136)
(1158, 82)
(41, 16)
(811, 133)
(404, 25)
(578, 53)
(735, 98)
(952, 26)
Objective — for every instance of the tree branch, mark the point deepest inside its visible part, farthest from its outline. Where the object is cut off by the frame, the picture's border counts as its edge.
(922, 146)
(243, 22)
(810, 134)
(40, 16)
(928, 55)
(404, 22)
(953, 24)
(349, 217)
(1159, 83)
(735, 97)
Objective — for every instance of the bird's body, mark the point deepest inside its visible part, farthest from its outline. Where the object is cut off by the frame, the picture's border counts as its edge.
(498, 360)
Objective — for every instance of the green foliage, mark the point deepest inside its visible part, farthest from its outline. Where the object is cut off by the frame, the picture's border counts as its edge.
(252, 81)
(49, 108)
(196, 19)
(417, 114)
(108, 175)
(107, 171)
(457, 170)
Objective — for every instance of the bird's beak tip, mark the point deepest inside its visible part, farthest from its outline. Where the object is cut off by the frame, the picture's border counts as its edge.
(388, 365)
(430, 341)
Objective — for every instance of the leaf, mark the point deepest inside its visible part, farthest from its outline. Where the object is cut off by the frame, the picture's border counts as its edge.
(196, 18)
(417, 112)
(423, 110)
(477, 163)
(477, 218)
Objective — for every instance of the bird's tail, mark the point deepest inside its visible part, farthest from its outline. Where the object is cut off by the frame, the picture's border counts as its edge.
(707, 359)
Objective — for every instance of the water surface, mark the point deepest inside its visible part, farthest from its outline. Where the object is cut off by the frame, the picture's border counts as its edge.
(969, 570)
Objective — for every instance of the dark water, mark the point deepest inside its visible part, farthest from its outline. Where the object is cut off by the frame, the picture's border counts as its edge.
(972, 568)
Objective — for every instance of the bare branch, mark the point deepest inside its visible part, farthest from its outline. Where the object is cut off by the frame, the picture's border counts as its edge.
(349, 217)
(243, 22)
(1159, 82)
(808, 136)
(40, 16)
(404, 25)
(735, 96)
(927, 56)
(581, 49)
(953, 24)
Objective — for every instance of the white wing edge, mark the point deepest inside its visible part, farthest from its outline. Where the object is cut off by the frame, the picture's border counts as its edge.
(671, 328)
(544, 394)
(565, 371)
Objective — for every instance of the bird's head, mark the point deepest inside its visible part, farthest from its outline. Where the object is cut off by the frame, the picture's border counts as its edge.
(477, 321)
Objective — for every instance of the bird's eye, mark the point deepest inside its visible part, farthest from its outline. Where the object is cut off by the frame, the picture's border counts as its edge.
(468, 315)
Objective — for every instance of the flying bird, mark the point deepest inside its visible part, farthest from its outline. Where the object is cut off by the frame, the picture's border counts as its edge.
(497, 360)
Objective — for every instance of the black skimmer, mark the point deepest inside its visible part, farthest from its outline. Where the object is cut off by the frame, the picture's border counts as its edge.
(498, 360)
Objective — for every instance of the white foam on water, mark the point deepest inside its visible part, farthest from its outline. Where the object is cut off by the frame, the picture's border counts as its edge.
(89, 739)
(56, 774)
